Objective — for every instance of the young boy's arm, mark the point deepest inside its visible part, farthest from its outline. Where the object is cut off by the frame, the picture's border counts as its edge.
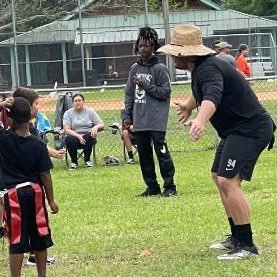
(6, 104)
(47, 183)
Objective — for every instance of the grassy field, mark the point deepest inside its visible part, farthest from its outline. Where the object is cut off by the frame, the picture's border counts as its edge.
(104, 230)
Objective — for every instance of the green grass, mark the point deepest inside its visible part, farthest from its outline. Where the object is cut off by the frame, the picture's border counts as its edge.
(102, 228)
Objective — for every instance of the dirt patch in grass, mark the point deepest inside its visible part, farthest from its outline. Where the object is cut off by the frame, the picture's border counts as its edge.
(48, 104)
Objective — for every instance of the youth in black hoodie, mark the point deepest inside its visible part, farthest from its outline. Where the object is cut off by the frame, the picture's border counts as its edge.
(147, 100)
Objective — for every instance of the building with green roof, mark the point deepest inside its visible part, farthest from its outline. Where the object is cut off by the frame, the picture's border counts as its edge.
(52, 53)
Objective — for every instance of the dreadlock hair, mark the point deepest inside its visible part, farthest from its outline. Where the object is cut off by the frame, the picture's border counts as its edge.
(147, 34)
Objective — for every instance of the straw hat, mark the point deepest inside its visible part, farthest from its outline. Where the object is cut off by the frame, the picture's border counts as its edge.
(186, 41)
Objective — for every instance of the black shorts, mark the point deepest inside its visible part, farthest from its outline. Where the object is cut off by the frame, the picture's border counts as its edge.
(26, 219)
(238, 155)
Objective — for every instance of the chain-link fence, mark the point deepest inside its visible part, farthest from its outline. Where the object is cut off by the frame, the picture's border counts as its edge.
(43, 65)
(53, 54)
(262, 55)
(108, 102)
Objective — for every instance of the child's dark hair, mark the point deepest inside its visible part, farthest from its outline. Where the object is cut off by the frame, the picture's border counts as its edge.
(78, 94)
(20, 111)
(147, 34)
(27, 93)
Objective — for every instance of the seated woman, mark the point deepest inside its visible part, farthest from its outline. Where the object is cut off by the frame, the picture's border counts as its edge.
(81, 125)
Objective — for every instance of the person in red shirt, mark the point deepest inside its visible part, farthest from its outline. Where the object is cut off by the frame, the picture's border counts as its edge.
(241, 61)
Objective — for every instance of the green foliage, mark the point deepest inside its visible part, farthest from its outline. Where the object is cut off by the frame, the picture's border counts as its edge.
(218, 2)
(256, 7)
(33, 13)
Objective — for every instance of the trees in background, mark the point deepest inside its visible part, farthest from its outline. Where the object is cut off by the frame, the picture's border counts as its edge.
(34, 13)
(256, 7)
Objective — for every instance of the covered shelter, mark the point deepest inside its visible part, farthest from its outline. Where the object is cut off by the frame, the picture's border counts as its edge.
(52, 53)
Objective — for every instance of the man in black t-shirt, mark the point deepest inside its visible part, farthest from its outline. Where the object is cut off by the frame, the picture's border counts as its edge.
(26, 179)
(224, 98)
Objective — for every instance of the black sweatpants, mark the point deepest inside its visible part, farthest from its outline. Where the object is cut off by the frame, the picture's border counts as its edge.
(73, 144)
(144, 141)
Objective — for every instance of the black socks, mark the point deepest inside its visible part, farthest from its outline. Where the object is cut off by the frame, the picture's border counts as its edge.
(130, 155)
(232, 226)
(244, 234)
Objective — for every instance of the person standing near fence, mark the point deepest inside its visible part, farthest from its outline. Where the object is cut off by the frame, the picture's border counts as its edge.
(147, 99)
(241, 62)
(215, 46)
(245, 129)
(224, 49)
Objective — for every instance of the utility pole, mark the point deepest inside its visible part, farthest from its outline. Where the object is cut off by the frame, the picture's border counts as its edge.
(167, 36)
(146, 12)
(82, 44)
(15, 45)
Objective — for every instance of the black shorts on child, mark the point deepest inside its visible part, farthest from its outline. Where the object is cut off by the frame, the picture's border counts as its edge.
(26, 219)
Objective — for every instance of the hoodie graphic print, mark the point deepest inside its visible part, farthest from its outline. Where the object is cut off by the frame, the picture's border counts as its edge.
(147, 107)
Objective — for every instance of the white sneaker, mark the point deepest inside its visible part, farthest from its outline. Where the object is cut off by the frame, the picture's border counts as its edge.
(31, 261)
(73, 166)
(130, 161)
(228, 244)
(240, 253)
(88, 164)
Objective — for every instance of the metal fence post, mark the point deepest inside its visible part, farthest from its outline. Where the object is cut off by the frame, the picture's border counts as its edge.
(15, 45)
(146, 12)
(82, 43)
(167, 36)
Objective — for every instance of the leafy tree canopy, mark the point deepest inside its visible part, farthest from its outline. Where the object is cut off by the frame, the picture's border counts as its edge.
(256, 7)
(33, 13)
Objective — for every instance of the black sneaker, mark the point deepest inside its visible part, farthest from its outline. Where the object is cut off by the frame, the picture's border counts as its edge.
(2, 232)
(150, 191)
(229, 243)
(169, 192)
(32, 260)
(240, 253)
